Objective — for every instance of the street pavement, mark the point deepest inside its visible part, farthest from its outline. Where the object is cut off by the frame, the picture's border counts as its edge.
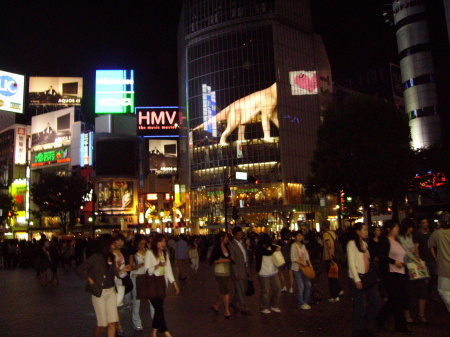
(27, 309)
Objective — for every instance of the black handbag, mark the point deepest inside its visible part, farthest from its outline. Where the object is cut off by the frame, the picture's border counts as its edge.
(250, 288)
(94, 289)
(127, 283)
(150, 287)
(369, 279)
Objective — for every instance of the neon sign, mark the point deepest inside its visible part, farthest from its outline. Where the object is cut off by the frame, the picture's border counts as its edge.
(51, 157)
(158, 121)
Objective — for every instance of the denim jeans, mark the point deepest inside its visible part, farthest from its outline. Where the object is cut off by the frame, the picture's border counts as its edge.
(366, 303)
(135, 305)
(303, 287)
(333, 283)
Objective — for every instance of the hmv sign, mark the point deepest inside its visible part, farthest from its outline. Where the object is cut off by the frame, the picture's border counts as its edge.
(159, 121)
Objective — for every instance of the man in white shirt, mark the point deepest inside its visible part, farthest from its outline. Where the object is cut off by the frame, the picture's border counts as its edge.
(440, 239)
(239, 271)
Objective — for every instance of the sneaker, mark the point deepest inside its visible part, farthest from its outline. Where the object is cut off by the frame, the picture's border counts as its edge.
(305, 306)
(333, 299)
(277, 310)
(342, 292)
(284, 289)
(138, 328)
(291, 291)
(265, 311)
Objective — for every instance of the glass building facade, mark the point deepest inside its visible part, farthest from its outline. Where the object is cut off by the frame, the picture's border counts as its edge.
(254, 77)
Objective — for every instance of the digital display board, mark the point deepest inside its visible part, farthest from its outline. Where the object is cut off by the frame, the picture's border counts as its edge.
(159, 121)
(303, 82)
(114, 91)
(62, 91)
(11, 92)
(163, 157)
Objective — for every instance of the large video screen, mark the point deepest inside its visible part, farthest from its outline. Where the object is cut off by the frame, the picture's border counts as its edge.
(163, 157)
(52, 128)
(114, 91)
(11, 92)
(62, 91)
(116, 157)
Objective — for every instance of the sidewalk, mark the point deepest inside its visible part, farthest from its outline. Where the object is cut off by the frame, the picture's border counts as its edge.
(27, 309)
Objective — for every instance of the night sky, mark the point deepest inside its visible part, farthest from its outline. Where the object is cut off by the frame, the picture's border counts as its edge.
(75, 38)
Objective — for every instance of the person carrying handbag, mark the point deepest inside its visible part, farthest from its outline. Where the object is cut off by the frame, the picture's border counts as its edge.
(157, 263)
(299, 259)
(364, 316)
(99, 272)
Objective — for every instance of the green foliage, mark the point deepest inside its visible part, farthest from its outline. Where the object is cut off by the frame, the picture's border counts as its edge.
(59, 195)
(7, 204)
(363, 148)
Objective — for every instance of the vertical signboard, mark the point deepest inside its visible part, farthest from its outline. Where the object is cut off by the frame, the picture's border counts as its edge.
(114, 91)
(209, 109)
(20, 148)
(86, 144)
(11, 92)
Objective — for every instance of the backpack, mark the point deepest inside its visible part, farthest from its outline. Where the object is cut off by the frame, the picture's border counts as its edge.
(340, 256)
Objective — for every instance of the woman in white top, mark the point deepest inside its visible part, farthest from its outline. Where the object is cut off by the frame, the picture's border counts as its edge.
(137, 268)
(300, 257)
(268, 275)
(364, 316)
(157, 262)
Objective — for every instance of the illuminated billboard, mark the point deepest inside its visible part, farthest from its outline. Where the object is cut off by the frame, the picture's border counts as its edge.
(11, 92)
(158, 121)
(163, 157)
(86, 146)
(116, 195)
(53, 128)
(114, 91)
(48, 157)
(303, 82)
(20, 148)
(62, 91)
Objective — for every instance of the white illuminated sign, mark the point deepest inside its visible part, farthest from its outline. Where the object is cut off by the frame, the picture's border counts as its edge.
(20, 155)
(11, 92)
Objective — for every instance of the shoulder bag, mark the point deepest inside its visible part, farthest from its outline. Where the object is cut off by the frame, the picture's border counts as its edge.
(369, 279)
(307, 270)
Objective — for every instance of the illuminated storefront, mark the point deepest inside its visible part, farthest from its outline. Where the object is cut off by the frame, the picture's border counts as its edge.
(255, 86)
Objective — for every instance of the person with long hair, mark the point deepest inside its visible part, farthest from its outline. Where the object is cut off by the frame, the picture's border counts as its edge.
(137, 268)
(157, 262)
(393, 272)
(268, 277)
(43, 261)
(300, 257)
(417, 289)
(364, 315)
(221, 259)
(99, 270)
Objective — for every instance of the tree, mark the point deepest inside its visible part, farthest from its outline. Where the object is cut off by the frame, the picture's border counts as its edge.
(7, 205)
(60, 196)
(363, 149)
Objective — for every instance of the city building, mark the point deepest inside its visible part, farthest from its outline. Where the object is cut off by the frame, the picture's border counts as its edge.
(254, 78)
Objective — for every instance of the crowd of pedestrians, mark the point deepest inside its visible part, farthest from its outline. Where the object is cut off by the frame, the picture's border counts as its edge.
(112, 265)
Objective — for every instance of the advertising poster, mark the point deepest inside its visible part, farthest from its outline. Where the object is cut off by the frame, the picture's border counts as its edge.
(114, 91)
(163, 156)
(53, 128)
(63, 91)
(116, 195)
(11, 92)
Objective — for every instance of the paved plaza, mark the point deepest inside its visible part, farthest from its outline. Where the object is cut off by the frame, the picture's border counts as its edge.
(65, 310)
